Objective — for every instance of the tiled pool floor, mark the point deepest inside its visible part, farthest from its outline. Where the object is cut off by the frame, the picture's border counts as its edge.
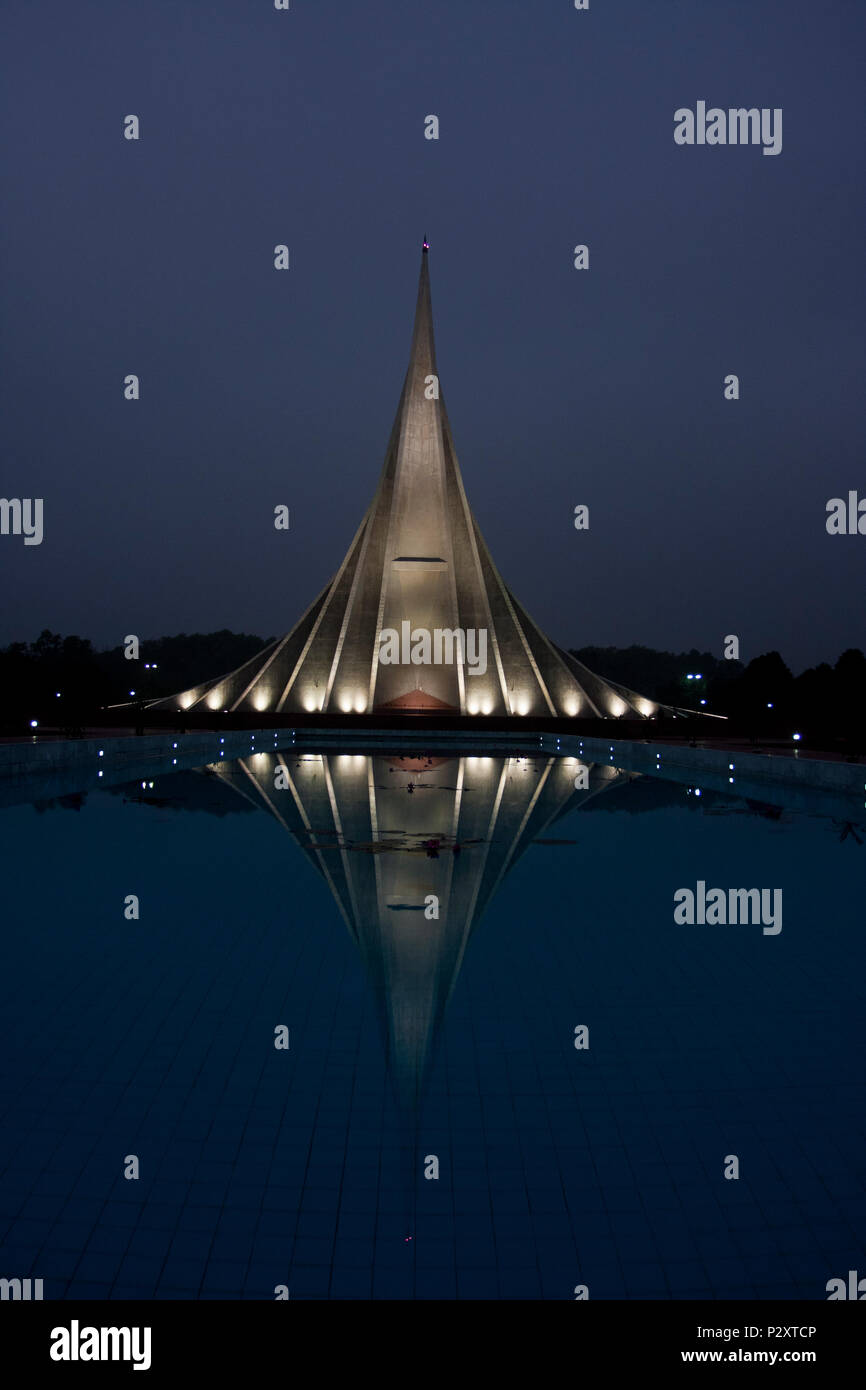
(414, 1039)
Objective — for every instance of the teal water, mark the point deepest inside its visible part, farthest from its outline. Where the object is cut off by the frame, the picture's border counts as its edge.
(421, 1044)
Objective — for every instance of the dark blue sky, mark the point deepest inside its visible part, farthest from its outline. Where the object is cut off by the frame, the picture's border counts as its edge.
(603, 387)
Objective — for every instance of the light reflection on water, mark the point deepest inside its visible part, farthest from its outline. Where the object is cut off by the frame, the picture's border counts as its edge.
(431, 931)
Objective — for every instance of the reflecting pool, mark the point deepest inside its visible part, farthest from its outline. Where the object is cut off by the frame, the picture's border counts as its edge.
(412, 1025)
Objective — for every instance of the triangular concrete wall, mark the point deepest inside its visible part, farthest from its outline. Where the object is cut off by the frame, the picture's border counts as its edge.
(418, 557)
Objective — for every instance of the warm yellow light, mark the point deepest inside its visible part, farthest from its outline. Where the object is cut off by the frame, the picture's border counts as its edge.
(350, 701)
(617, 707)
(262, 699)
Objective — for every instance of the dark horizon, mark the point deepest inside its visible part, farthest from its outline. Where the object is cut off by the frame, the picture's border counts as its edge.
(602, 387)
(696, 649)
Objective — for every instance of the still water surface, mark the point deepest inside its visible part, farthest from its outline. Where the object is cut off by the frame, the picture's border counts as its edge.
(297, 893)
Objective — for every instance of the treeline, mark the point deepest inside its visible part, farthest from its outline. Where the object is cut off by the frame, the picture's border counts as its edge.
(64, 680)
(765, 696)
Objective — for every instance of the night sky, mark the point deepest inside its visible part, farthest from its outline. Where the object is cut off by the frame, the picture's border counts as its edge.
(602, 387)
